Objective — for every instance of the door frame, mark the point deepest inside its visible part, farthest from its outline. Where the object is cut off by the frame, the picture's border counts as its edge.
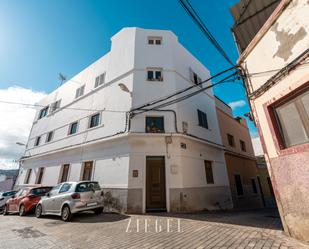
(165, 179)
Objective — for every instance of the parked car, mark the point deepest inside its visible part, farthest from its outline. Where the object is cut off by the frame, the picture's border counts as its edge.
(69, 198)
(4, 197)
(25, 200)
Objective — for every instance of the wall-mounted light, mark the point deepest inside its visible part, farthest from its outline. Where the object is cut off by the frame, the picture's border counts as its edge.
(124, 88)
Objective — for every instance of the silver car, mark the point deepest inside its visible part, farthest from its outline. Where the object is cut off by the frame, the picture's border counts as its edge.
(4, 197)
(69, 198)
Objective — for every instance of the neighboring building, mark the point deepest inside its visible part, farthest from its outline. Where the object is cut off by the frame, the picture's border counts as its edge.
(7, 179)
(277, 82)
(240, 159)
(168, 159)
(264, 181)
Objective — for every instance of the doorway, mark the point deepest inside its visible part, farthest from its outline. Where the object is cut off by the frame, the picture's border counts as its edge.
(155, 184)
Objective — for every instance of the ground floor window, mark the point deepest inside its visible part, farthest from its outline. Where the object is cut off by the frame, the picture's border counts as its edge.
(209, 173)
(87, 171)
(64, 173)
(238, 183)
(40, 176)
(28, 174)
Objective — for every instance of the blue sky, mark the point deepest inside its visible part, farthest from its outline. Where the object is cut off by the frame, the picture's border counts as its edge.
(40, 38)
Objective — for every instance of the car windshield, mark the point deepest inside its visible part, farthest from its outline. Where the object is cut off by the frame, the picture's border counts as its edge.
(40, 191)
(87, 186)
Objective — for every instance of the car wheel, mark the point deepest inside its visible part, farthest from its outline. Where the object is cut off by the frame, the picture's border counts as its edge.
(66, 213)
(38, 211)
(98, 211)
(5, 210)
(22, 211)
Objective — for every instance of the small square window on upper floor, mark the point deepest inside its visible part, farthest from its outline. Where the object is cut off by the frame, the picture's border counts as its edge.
(49, 136)
(154, 74)
(94, 120)
(54, 106)
(202, 119)
(73, 128)
(37, 141)
(80, 91)
(99, 80)
(43, 112)
(154, 40)
(242, 145)
(230, 139)
(194, 77)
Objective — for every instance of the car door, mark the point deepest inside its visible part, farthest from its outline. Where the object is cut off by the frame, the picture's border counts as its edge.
(49, 200)
(63, 195)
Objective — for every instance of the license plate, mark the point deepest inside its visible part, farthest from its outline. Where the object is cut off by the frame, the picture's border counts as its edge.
(92, 204)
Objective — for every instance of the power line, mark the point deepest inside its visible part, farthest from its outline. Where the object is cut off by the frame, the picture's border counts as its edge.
(69, 108)
(196, 18)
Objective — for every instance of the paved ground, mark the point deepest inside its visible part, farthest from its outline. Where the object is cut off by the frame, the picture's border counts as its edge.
(254, 229)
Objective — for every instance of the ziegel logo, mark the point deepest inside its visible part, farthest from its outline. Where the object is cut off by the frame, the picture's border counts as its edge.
(156, 226)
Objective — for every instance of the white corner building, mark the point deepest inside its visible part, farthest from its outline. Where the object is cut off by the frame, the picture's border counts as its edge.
(170, 158)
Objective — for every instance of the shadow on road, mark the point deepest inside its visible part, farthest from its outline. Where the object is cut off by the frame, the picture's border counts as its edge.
(261, 218)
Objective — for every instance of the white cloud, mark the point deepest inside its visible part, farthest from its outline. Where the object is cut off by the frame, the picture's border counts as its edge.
(257, 146)
(237, 104)
(16, 122)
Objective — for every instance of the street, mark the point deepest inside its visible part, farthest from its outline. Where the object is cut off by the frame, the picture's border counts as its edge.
(250, 229)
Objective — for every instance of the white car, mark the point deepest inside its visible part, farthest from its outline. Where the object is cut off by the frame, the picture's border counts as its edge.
(5, 196)
(69, 198)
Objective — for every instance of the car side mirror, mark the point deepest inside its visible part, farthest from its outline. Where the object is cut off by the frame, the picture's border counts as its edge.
(47, 194)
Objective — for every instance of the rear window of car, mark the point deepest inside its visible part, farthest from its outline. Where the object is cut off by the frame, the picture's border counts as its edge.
(8, 193)
(87, 186)
(40, 191)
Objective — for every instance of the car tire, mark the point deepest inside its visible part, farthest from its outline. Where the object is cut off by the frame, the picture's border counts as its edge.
(22, 211)
(38, 211)
(66, 214)
(5, 210)
(98, 211)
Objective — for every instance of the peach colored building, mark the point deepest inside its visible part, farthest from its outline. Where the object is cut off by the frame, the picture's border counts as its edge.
(240, 159)
(275, 64)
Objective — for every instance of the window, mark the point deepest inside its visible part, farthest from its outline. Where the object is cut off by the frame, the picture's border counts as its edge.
(37, 141)
(73, 128)
(154, 124)
(239, 188)
(43, 112)
(292, 119)
(154, 74)
(254, 189)
(49, 136)
(242, 145)
(87, 186)
(194, 77)
(94, 120)
(99, 80)
(65, 188)
(202, 119)
(209, 173)
(64, 173)
(40, 191)
(230, 139)
(154, 40)
(87, 171)
(55, 189)
(54, 106)
(28, 174)
(80, 91)
(40, 176)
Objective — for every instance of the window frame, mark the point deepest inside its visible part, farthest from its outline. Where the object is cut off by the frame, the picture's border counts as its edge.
(37, 141)
(98, 79)
(70, 128)
(90, 120)
(28, 176)
(61, 180)
(64, 185)
(228, 140)
(155, 117)
(242, 144)
(55, 106)
(209, 178)
(40, 175)
(201, 119)
(254, 186)
(43, 112)
(80, 91)
(154, 71)
(154, 39)
(48, 137)
(241, 185)
(91, 163)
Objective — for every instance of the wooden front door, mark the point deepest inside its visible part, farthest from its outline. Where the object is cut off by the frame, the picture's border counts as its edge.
(155, 183)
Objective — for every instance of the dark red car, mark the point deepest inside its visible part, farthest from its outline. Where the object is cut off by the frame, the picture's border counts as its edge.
(25, 200)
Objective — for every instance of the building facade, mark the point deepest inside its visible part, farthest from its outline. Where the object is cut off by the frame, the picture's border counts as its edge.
(96, 127)
(277, 81)
(240, 160)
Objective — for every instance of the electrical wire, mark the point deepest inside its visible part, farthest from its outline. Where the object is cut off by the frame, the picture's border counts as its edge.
(198, 21)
